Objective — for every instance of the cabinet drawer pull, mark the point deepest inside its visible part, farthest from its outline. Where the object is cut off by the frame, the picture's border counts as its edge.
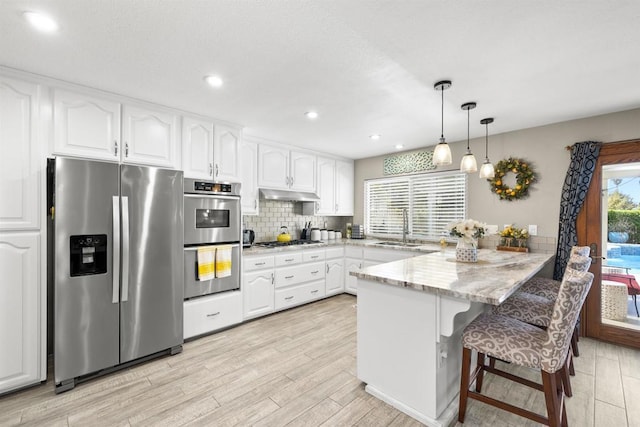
(315, 291)
(210, 169)
(115, 148)
(315, 256)
(327, 268)
(259, 263)
(288, 260)
(315, 272)
(288, 277)
(126, 149)
(217, 170)
(213, 314)
(288, 298)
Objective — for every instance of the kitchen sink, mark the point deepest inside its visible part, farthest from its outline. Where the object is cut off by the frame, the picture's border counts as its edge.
(408, 245)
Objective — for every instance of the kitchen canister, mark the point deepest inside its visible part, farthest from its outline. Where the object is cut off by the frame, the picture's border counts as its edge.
(315, 234)
(338, 235)
(331, 234)
(324, 234)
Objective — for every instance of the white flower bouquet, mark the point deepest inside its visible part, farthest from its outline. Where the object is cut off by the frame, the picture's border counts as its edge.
(469, 230)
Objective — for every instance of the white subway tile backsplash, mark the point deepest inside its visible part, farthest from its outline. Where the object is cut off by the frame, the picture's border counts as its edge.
(274, 214)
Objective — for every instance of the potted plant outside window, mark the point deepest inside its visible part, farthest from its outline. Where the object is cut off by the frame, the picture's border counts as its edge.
(619, 229)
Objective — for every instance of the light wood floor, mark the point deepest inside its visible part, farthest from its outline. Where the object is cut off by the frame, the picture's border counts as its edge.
(297, 368)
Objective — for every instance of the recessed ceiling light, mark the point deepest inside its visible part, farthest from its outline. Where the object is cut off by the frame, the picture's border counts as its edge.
(399, 146)
(213, 81)
(375, 136)
(41, 22)
(311, 115)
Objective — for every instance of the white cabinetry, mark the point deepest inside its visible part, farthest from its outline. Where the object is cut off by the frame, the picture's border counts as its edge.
(149, 136)
(334, 271)
(249, 178)
(335, 187)
(344, 188)
(211, 313)
(90, 126)
(197, 148)
(283, 169)
(22, 272)
(299, 277)
(257, 285)
(352, 262)
(20, 162)
(226, 153)
(20, 310)
(86, 126)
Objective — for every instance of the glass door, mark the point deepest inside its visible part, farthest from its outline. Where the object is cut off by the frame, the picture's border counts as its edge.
(610, 224)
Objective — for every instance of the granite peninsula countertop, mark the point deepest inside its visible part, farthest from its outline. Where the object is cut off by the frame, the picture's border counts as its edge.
(373, 243)
(491, 280)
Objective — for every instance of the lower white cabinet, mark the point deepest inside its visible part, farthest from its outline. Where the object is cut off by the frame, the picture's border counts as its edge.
(351, 282)
(299, 294)
(20, 311)
(334, 271)
(212, 312)
(257, 293)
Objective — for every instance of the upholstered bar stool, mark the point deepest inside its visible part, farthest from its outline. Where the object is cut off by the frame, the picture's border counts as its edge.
(536, 307)
(522, 344)
(548, 288)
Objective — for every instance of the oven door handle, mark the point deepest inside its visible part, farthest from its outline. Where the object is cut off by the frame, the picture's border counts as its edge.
(195, 248)
(210, 196)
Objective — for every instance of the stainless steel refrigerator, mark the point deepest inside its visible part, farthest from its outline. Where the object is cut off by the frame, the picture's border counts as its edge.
(118, 265)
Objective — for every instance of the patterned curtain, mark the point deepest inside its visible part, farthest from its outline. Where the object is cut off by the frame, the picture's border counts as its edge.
(576, 185)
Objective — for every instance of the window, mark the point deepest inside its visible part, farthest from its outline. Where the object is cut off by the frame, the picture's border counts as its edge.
(432, 201)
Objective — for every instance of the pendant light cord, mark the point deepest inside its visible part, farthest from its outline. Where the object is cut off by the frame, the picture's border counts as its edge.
(468, 129)
(442, 115)
(486, 141)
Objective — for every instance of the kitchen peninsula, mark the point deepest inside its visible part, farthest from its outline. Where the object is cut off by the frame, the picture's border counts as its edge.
(411, 314)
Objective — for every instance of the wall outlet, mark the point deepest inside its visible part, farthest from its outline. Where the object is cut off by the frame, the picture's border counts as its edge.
(533, 230)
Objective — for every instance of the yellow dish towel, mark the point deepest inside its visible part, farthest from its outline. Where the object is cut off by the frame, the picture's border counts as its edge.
(206, 263)
(223, 261)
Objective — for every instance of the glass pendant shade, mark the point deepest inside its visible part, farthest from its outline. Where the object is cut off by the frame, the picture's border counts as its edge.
(486, 170)
(468, 163)
(442, 154)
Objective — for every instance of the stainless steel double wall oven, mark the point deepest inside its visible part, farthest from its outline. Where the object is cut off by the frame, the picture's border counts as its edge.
(211, 217)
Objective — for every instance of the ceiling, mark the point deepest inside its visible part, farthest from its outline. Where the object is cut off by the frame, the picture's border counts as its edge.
(365, 66)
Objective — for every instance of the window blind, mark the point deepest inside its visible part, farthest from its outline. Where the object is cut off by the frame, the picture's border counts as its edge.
(432, 200)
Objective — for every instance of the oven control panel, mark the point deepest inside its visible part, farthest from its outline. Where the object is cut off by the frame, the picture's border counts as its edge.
(194, 186)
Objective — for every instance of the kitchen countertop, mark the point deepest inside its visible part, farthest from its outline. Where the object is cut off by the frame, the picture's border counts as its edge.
(373, 243)
(491, 280)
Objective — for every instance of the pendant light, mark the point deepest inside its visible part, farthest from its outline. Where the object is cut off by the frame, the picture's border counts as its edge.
(486, 170)
(468, 163)
(442, 152)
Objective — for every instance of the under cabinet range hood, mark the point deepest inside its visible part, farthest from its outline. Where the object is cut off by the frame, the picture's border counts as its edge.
(285, 195)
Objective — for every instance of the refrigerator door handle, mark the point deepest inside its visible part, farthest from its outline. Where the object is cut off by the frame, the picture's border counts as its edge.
(115, 200)
(125, 248)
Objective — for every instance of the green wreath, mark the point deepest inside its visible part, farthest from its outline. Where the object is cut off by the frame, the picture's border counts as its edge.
(524, 177)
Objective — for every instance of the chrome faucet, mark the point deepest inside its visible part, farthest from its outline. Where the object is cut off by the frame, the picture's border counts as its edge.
(405, 225)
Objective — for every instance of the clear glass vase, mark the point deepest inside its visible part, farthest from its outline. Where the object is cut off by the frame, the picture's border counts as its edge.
(467, 251)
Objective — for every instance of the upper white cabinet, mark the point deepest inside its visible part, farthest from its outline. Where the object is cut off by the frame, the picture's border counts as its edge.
(326, 174)
(19, 156)
(335, 187)
(99, 128)
(86, 126)
(197, 148)
(283, 169)
(249, 178)
(149, 136)
(344, 188)
(226, 153)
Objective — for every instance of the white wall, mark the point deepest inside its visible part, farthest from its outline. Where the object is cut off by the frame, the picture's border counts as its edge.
(543, 147)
